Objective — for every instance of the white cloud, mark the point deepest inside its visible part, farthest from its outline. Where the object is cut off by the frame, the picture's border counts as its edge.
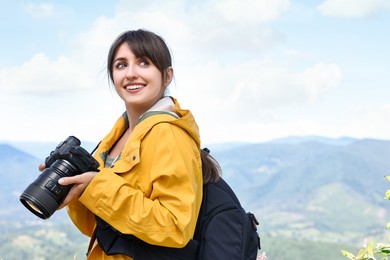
(219, 62)
(359, 122)
(255, 86)
(371, 120)
(40, 74)
(42, 10)
(249, 11)
(188, 38)
(353, 8)
(207, 26)
(319, 79)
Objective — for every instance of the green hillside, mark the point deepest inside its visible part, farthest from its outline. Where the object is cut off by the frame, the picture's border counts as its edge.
(299, 249)
(312, 196)
(42, 241)
(311, 190)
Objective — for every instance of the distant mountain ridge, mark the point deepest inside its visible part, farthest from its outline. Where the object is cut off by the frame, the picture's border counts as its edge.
(41, 150)
(314, 138)
(314, 188)
(7, 151)
(327, 188)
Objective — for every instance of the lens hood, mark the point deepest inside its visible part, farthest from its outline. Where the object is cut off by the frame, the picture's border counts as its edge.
(38, 201)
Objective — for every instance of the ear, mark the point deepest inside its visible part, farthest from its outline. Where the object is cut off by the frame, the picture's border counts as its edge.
(168, 76)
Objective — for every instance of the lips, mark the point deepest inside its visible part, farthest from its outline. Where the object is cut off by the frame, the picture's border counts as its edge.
(134, 87)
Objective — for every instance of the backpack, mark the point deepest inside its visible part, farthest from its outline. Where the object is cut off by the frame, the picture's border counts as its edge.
(224, 229)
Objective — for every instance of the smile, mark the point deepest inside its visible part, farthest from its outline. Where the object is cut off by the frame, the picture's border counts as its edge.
(134, 87)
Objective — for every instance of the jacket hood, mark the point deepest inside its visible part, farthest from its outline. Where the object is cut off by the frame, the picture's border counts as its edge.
(166, 110)
(169, 110)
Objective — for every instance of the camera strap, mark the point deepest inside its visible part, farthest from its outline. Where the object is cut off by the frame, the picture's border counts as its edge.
(91, 241)
(93, 236)
(96, 147)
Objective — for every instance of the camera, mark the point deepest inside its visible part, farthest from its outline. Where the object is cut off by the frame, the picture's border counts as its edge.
(43, 196)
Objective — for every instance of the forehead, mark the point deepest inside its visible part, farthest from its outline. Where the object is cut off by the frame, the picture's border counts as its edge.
(124, 51)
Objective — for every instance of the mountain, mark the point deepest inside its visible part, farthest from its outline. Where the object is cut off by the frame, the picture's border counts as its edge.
(17, 170)
(23, 235)
(312, 188)
(322, 192)
(41, 150)
(314, 138)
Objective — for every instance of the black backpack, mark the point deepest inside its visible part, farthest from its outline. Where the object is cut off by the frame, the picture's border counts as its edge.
(224, 229)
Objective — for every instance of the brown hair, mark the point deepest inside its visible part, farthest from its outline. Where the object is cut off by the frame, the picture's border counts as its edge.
(143, 44)
(211, 170)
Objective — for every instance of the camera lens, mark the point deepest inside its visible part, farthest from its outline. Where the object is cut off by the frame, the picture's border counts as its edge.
(33, 207)
(44, 195)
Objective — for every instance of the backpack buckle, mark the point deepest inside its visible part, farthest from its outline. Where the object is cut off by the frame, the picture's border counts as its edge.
(254, 220)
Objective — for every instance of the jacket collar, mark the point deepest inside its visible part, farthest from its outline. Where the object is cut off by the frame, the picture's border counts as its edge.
(165, 110)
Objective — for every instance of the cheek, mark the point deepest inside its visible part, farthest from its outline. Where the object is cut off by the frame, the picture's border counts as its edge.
(116, 78)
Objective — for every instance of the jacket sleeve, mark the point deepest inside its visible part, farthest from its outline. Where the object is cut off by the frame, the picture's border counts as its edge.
(158, 200)
(82, 217)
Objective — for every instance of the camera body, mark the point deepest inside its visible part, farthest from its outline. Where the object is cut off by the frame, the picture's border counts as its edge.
(43, 196)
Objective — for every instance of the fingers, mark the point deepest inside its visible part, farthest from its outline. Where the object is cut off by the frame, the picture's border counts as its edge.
(74, 192)
(41, 167)
(69, 180)
(84, 178)
(79, 182)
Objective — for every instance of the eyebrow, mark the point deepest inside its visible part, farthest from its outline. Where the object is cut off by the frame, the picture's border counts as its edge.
(119, 59)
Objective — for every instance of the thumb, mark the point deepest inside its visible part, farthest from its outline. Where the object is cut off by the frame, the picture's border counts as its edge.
(66, 181)
(41, 167)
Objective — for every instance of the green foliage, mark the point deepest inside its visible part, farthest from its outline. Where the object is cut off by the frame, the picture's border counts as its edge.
(367, 252)
(42, 241)
(282, 248)
(311, 198)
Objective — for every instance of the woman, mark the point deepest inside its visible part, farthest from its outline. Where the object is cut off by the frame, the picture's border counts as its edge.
(149, 184)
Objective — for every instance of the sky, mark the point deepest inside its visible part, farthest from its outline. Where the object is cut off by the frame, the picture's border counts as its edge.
(249, 70)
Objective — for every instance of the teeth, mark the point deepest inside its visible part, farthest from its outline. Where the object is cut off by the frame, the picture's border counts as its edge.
(133, 87)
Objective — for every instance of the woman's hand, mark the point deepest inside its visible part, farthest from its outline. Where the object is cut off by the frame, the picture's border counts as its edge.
(41, 167)
(80, 183)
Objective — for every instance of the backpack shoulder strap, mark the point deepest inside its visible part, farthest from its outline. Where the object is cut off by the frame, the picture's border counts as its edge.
(198, 228)
(215, 195)
(221, 184)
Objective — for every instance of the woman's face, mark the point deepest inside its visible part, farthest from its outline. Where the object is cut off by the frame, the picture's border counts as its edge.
(137, 80)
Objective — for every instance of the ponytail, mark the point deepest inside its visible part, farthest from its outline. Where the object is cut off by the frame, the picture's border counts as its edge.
(211, 170)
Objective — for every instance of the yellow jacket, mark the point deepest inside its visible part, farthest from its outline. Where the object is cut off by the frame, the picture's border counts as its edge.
(154, 190)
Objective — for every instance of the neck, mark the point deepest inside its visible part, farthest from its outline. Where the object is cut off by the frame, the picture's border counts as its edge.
(133, 118)
(134, 113)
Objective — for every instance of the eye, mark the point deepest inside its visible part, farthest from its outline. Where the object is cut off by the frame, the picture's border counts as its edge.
(120, 65)
(144, 62)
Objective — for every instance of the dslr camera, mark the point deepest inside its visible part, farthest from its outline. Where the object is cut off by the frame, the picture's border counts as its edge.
(43, 196)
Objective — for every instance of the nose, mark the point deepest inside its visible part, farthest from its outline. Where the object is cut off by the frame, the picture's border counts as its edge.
(131, 72)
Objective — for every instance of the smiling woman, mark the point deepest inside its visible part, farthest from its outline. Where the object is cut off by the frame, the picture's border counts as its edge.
(149, 184)
(137, 80)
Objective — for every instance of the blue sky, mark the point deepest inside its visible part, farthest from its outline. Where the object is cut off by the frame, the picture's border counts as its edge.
(250, 70)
